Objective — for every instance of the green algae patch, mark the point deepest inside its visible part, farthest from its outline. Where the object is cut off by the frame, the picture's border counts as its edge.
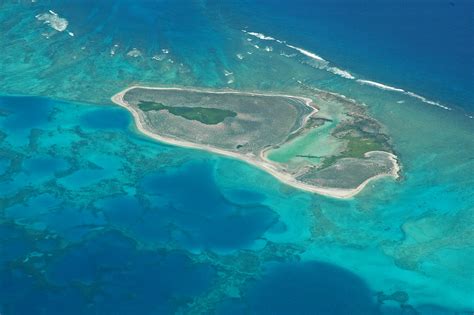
(205, 115)
(357, 147)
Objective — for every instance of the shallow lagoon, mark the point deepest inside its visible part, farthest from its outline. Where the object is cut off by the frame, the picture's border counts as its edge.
(92, 205)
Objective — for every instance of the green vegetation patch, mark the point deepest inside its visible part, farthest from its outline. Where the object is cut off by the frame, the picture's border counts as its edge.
(356, 148)
(208, 116)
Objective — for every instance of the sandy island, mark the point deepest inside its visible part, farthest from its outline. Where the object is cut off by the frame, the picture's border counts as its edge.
(262, 163)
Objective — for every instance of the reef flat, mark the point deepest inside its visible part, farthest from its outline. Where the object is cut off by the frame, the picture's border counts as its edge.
(250, 126)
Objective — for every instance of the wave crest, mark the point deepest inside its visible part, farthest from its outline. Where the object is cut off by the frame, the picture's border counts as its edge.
(342, 73)
(323, 64)
(380, 86)
(408, 93)
(52, 19)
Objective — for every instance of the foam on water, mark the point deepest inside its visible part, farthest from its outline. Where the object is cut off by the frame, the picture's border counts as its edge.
(395, 89)
(323, 63)
(301, 50)
(53, 20)
(342, 73)
(113, 49)
(287, 55)
(380, 85)
(427, 101)
(134, 53)
(260, 35)
(306, 53)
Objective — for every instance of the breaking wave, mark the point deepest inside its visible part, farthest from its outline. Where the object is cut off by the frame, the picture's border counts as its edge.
(52, 19)
(134, 53)
(342, 73)
(395, 89)
(380, 85)
(306, 53)
(324, 64)
(260, 36)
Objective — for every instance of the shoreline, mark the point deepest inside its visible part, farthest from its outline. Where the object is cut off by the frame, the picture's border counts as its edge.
(263, 164)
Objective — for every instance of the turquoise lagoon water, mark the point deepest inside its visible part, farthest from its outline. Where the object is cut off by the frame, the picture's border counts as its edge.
(97, 219)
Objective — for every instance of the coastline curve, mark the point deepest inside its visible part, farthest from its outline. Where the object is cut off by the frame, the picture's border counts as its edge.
(261, 162)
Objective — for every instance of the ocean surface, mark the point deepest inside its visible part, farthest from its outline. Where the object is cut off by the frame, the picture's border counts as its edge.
(414, 45)
(98, 219)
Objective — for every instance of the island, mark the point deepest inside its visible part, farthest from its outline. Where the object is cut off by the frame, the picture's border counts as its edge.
(332, 148)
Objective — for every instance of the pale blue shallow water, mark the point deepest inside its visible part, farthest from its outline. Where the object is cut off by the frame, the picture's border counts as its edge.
(97, 219)
(102, 222)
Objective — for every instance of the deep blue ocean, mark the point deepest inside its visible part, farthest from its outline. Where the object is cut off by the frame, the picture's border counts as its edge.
(424, 46)
(421, 46)
(97, 220)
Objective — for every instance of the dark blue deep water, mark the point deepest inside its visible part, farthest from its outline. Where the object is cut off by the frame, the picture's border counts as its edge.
(95, 220)
(305, 288)
(423, 46)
